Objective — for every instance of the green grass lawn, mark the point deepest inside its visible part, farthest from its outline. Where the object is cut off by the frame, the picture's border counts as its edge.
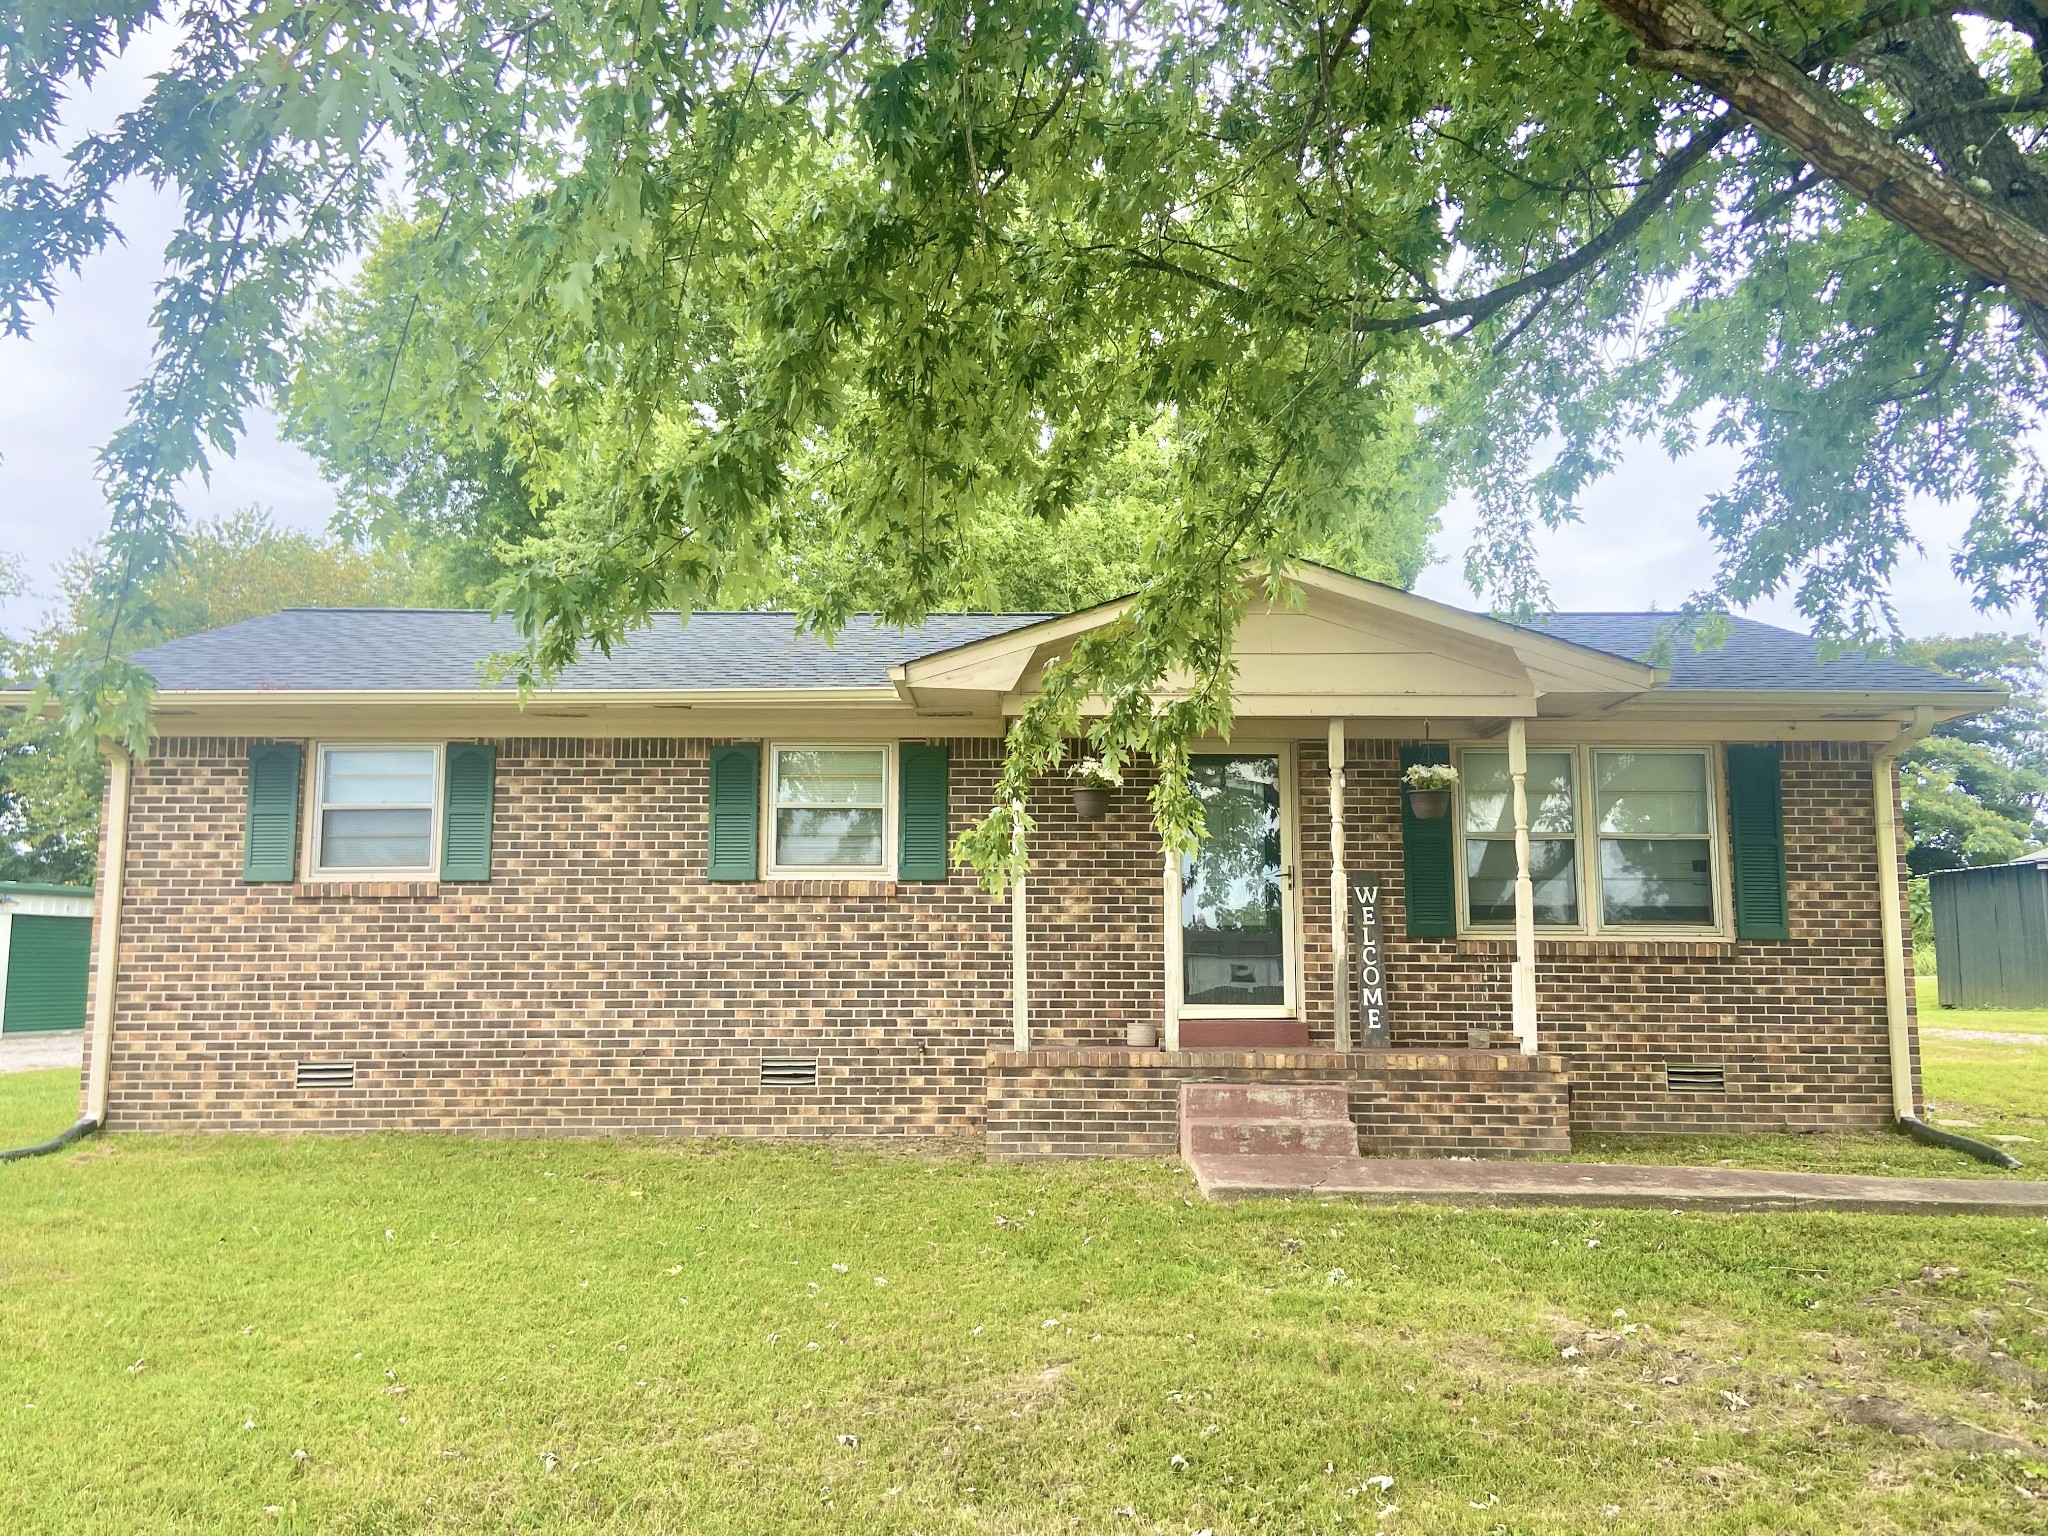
(419, 1334)
(388, 1334)
(35, 1106)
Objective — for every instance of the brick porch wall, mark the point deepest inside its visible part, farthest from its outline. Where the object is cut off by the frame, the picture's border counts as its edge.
(598, 984)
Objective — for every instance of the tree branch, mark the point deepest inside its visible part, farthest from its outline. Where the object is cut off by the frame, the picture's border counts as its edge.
(1694, 41)
(1655, 193)
(1989, 106)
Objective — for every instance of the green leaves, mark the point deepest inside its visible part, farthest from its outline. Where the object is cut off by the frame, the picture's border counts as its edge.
(857, 306)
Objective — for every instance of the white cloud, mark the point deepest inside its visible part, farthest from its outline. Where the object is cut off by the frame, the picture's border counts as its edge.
(1639, 545)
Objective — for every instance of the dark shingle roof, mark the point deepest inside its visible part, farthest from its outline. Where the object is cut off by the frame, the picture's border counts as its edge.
(406, 649)
(403, 649)
(1756, 655)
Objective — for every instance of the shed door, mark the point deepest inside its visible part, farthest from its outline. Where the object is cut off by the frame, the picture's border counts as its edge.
(46, 965)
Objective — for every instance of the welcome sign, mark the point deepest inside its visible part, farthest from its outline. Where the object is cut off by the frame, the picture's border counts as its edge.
(1369, 977)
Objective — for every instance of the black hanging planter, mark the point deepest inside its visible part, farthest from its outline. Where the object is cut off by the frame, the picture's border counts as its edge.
(1091, 801)
(1429, 804)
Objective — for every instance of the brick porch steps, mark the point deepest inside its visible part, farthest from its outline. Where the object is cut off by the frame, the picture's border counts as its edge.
(1124, 1102)
(1256, 1120)
(1224, 1176)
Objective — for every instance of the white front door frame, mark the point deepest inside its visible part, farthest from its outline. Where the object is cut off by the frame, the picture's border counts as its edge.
(1177, 1007)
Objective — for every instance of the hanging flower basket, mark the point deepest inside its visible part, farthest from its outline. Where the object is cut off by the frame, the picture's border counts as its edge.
(1429, 790)
(1093, 781)
(1429, 804)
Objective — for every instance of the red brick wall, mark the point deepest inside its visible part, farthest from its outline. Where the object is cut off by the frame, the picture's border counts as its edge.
(599, 984)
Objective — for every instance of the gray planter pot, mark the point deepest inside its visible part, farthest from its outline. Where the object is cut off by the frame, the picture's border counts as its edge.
(1091, 802)
(1429, 804)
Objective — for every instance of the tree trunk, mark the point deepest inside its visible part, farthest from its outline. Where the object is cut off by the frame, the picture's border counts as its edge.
(1968, 222)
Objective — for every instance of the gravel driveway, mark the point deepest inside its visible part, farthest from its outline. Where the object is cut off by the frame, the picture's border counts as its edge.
(34, 1053)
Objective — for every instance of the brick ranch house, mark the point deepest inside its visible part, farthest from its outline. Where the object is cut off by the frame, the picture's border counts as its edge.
(701, 886)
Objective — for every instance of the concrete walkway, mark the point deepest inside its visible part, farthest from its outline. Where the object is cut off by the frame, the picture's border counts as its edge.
(35, 1053)
(1229, 1176)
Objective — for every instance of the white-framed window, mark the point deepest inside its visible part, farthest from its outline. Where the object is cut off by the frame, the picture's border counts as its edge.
(1489, 824)
(1654, 814)
(1621, 839)
(376, 809)
(829, 809)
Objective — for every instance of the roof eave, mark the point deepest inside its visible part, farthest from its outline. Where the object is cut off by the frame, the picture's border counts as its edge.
(1946, 703)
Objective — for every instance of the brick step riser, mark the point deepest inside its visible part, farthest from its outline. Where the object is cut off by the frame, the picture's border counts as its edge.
(1270, 1138)
(1265, 1101)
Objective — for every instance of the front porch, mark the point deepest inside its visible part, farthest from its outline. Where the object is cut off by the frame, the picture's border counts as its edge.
(1100, 1102)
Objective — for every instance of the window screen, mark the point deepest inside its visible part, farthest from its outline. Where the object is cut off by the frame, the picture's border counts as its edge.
(829, 807)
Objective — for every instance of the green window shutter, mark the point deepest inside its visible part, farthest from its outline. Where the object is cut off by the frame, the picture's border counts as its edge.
(270, 848)
(1756, 828)
(921, 813)
(46, 964)
(1428, 870)
(470, 774)
(735, 812)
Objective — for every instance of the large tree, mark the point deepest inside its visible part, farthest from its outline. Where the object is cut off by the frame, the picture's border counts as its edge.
(1976, 790)
(692, 271)
(376, 399)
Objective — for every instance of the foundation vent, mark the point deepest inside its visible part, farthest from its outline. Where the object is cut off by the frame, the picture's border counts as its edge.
(325, 1074)
(1695, 1077)
(788, 1072)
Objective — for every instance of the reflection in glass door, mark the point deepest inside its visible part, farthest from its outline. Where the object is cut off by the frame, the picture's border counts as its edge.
(1233, 899)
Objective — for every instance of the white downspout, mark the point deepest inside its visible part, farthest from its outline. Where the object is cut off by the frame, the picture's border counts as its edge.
(1522, 984)
(1883, 795)
(106, 964)
(1340, 937)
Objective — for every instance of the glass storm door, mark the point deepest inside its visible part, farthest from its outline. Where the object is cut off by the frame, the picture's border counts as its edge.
(1234, 939)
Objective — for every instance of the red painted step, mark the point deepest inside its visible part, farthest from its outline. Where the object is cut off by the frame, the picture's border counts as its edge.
(1266, 1120)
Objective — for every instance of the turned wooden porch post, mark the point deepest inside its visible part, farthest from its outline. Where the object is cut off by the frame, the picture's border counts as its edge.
(1020, 996)
(1523, 982)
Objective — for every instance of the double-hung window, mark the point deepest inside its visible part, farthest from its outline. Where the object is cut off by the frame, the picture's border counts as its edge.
(376, 809)
(831, 809)
(1655, 818)
(1489, 797)
(1639, 849)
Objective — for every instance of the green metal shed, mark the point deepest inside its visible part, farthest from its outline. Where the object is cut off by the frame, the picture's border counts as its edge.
(45, 953)
(1991, 935)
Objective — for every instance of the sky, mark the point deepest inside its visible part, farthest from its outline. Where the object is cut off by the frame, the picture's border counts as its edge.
(63, 391)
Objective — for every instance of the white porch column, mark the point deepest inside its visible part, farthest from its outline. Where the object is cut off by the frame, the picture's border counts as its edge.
(1170, 1036)
(1340, 914)
(1020, 996)
(1522, 985)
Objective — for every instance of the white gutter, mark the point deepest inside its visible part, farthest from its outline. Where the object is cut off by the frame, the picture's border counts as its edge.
(106, 965)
